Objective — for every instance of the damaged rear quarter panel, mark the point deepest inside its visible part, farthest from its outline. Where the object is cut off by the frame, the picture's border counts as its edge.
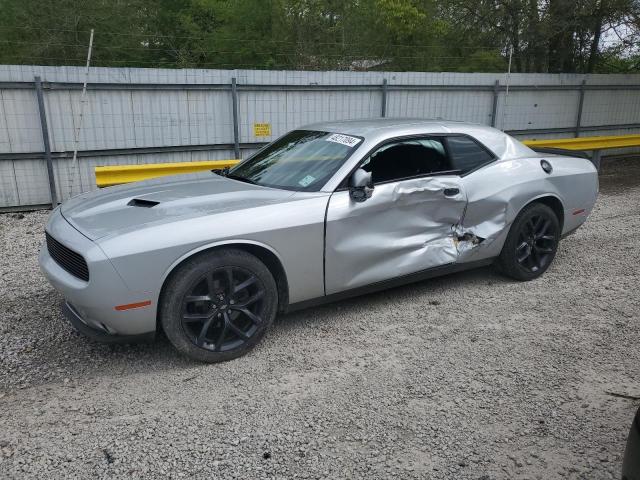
(499, 191)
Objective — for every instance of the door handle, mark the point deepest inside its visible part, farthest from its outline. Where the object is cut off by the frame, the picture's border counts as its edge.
(451, 192)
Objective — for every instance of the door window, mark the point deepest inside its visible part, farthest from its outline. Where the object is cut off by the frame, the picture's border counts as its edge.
(406, 159)
(467, 155)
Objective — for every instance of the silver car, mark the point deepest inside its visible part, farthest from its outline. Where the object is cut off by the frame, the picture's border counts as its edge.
(325, 212)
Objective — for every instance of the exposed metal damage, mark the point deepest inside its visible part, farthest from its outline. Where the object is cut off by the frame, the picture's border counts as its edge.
(465, 241)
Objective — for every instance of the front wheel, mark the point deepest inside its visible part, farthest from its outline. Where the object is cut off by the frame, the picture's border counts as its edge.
(531, 244)
(218, 305)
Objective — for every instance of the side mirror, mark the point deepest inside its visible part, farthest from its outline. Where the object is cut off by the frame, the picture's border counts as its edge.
(360, 185)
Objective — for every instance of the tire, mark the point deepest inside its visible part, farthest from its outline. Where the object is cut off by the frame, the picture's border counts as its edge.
(531, 244)
(208, 320)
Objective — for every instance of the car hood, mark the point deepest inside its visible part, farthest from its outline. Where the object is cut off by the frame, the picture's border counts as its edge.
(113, 210)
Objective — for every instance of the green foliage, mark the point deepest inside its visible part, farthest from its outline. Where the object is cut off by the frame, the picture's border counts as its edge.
(484, 61)
(427, 35)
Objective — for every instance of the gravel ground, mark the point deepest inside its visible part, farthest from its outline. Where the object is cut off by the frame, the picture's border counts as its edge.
(466, 376)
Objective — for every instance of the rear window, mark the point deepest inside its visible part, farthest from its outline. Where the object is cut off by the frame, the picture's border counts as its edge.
(466, 154)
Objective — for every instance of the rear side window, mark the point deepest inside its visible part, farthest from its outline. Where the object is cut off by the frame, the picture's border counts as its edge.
(466, 154)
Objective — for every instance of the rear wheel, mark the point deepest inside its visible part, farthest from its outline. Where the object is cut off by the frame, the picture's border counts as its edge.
(531, 244)
(218, 305)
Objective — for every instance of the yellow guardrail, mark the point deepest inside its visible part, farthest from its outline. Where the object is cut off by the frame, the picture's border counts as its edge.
(588, 143)
(117, 174)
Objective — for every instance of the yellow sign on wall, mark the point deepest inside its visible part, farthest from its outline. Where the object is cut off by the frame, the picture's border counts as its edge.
(261, 129)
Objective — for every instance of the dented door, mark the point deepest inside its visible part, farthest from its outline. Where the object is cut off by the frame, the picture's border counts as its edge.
(405, 227)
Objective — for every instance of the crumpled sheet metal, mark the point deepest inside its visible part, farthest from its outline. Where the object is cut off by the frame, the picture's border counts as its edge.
(462, 236)
(410, 226)
(494, 200)
(403, 228)
(416, 227)
(492, 227)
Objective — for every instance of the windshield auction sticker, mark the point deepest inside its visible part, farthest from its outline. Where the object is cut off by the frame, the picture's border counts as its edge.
(306, 181)
(343, 139)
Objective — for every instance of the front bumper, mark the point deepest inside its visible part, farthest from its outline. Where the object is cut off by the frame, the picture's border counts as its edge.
(95, 301)
(101, 335)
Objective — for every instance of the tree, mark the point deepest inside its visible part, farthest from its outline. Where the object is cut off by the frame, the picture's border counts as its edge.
(431, 35)
(57, 33)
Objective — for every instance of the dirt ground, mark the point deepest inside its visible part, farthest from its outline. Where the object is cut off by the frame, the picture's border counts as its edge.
(467, 376)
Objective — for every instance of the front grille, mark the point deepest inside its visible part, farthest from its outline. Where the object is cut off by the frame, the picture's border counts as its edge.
(71, 261)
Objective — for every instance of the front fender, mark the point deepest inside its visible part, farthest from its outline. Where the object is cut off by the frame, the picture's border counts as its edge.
(223, 243)
(293, 233)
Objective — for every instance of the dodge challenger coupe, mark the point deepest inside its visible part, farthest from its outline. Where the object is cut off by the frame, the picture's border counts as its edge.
(325, 212)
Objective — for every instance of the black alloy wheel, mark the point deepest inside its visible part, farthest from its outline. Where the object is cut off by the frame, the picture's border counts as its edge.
(223, 309)
(531, 244)
(536, 243)
(217, 305)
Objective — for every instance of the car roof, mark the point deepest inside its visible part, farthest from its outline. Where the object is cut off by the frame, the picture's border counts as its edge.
(381, 129)
(395, 126)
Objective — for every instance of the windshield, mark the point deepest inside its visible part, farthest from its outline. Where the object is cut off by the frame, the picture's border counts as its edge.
(301, 160)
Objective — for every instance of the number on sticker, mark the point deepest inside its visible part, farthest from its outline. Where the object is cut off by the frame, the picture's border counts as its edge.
(343, 139)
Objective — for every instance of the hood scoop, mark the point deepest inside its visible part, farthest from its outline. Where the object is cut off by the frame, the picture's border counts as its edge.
(141, 202)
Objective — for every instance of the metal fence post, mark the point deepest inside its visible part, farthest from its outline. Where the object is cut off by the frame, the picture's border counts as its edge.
(596, 160)
(236, 134)
(494, 105)
(580, 104)
(384, 98)
(45, 141)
